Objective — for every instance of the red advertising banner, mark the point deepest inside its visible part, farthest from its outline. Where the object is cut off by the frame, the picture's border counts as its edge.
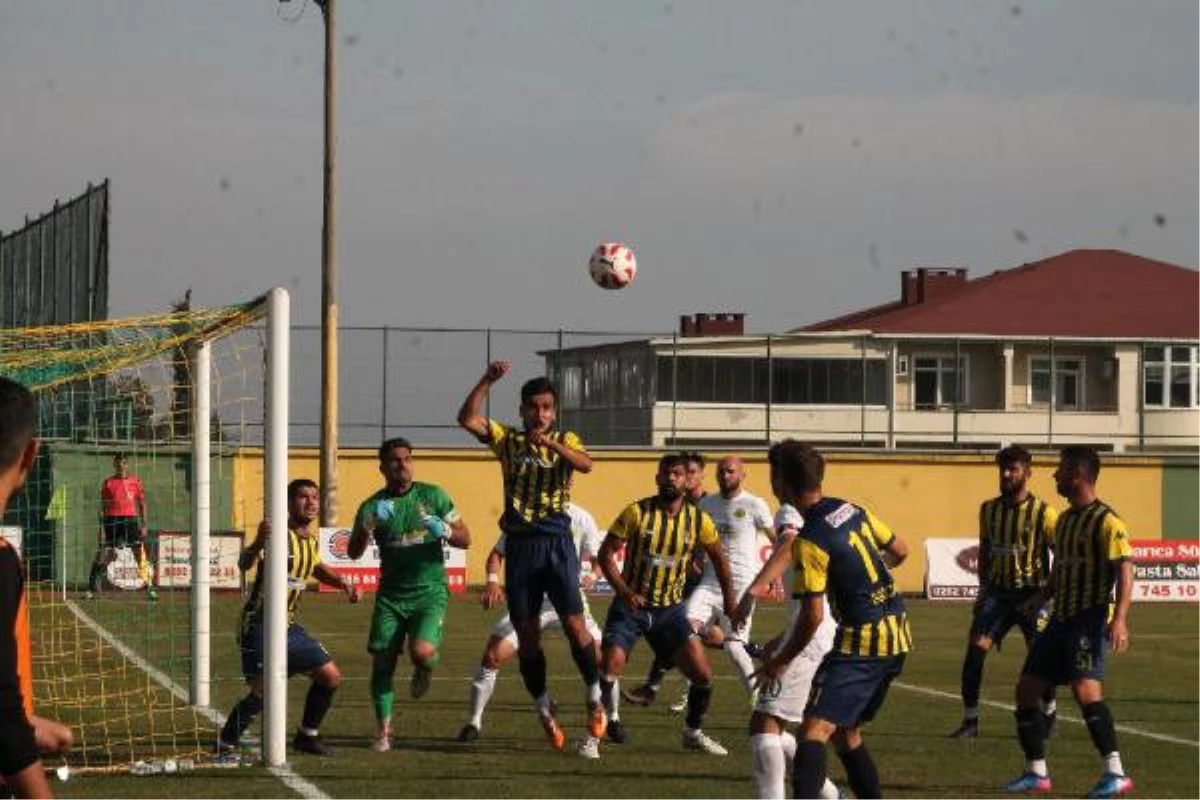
(364, 572)
(1166, 570)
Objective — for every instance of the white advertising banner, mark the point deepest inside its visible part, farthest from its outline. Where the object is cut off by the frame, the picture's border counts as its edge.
(364, 571)
(952, 569)
(175, 561)
(12, 534)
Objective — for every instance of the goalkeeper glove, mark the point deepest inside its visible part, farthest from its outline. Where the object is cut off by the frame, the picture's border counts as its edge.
(436, 526)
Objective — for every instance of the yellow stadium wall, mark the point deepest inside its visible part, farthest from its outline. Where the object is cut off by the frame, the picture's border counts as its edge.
(919, 496)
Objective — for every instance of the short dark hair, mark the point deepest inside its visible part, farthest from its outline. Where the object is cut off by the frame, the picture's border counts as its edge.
(1083, 458)
(670, 460)
(1013, 454)
(300, 483)
(692, 457)
(18, 416)
(391, 444)
(539, 385)
(797, 464)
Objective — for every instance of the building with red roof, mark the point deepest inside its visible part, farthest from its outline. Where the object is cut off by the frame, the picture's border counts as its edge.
(1092, 347)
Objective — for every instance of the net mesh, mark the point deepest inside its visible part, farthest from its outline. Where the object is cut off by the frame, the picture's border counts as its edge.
(110, 616)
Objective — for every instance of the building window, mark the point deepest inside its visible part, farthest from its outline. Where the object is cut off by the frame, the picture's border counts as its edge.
(1067, 386)
(937, 383)
(1171, 377)
(792, 381)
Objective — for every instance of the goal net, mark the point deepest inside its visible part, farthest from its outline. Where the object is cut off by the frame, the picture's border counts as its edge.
(112, 619)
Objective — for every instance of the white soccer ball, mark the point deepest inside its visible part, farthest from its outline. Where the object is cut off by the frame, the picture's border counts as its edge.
(612, 265)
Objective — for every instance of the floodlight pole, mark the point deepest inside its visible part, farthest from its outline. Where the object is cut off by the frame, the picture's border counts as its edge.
(329, 306)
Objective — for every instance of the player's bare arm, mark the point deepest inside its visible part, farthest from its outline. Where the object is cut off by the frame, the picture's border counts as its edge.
(330, 578)
(767, 577)
(1118, 627)
(492, 594)
(460, 535)
(579, 460)
(812, 613)
(470, 417)
(608, 564)
(249, 556)
(895, 552)
(359, 537)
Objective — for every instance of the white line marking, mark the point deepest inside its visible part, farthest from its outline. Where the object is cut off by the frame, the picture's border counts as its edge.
(1162, 737)
(284, 773)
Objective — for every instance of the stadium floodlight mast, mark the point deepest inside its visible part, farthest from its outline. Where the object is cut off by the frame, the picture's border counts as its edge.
(329, 307)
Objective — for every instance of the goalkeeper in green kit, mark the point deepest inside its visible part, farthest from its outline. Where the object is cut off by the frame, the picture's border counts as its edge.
(409, 523)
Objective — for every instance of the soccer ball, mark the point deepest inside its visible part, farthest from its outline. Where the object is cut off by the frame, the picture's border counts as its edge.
(612, 265)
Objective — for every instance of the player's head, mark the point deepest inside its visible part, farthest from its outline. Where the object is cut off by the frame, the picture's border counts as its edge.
(396, 463)
(693, 462)
(304, 501)
(730, 474)
(1015, 465)
(797, 469)
(1078, 470)
(121, 464)
(18, 446)
(671, 477)
(539, 404)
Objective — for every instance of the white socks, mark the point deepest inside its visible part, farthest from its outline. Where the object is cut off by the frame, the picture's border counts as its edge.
(770, 755)
(482, 687)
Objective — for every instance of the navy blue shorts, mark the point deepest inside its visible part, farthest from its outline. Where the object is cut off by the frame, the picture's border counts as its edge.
(666, 628)
(996, 612)
(849, 690)
(121, 531)
(539, 565)
(304, 653)
(1070, 649)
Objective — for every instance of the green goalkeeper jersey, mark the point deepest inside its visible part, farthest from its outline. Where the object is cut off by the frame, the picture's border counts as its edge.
(411, 559)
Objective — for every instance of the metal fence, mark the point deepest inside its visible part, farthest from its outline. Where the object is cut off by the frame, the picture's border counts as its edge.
(661, 389)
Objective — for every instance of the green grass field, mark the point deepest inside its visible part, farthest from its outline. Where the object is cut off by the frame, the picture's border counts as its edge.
(1153, 692)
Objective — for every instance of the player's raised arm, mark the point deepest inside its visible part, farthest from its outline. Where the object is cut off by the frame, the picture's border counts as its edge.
(470, 416)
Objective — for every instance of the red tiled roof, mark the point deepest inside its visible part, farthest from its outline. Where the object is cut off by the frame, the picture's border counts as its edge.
(1087, 293)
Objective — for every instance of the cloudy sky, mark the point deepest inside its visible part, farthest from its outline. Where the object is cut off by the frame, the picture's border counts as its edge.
(785, 159)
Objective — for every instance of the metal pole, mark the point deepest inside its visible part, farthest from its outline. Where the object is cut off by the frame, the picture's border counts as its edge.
(770, 385)
(329, 307)
(383, 393)
(201, 523)
(275, 471)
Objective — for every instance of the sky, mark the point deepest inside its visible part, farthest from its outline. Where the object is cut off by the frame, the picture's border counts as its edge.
(786, 160)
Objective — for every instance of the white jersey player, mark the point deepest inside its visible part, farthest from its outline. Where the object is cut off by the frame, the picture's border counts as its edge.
(740, 517)
(772, 746)
(502, 642)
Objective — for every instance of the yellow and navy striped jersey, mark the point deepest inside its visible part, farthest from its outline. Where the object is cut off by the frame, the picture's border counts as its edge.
(537, 481)
(1089, 544)
(659, 546)
(304, 554)
(1016, 541)
(838, 554)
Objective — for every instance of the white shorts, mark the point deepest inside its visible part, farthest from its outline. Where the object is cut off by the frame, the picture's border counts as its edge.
(792, 696)
(547, 621)
(707, 605)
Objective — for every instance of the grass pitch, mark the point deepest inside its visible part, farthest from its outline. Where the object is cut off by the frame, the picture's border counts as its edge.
(1152, 690)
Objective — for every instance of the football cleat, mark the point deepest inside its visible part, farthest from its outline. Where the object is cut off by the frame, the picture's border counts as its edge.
(1029, 783)
(469, 733)
(616, 732)
(313, 745)
(590, 748)
(1111, 785)
(641, 696)
(597, 720)
(696, 740)
(554, 733)
(969, 729)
